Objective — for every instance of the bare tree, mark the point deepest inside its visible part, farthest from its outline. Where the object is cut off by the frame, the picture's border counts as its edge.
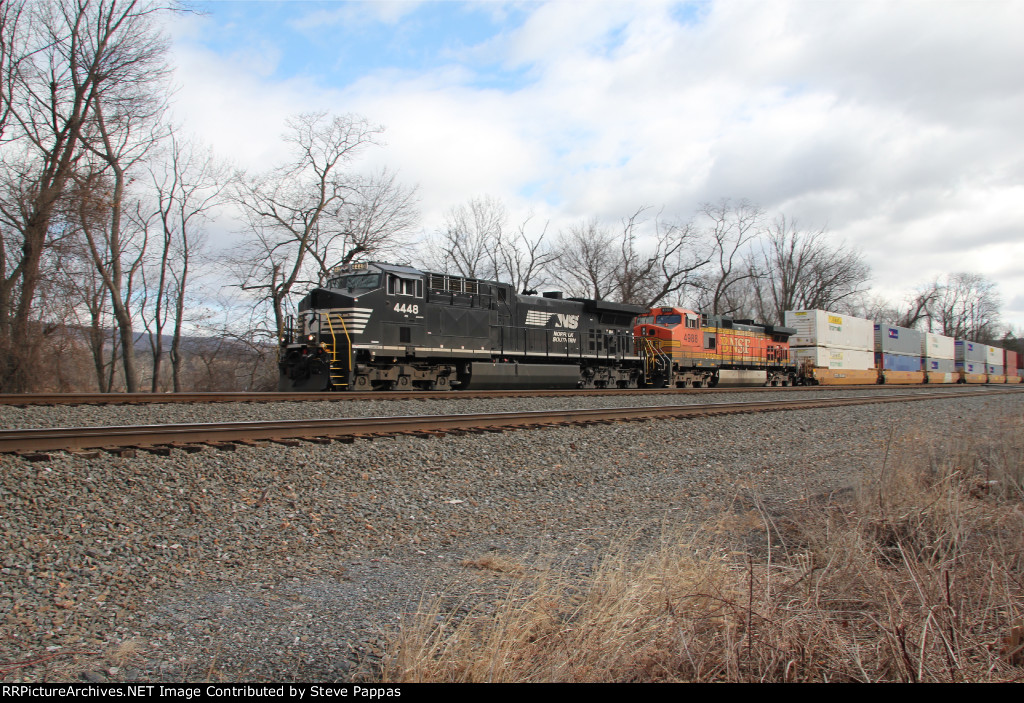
(797, 269)
(967, 307)
(629, 267)
(468, 241)
(730, 228)
(918, 306)
(311, 212)
(65, 56)
(475, 241)
(376, 221)
(587, 260)
(90, 311)
(186, 186)
(123, 135)
(12, 54)
(522, 259)
(674, 257)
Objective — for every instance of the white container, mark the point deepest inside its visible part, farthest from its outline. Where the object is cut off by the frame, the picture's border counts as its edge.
(994, 356)
(833, 358)
(820, 328)
(937, 346)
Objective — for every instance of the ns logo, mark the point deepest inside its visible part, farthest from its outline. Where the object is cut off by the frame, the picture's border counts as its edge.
(541, 318)
(569, 322)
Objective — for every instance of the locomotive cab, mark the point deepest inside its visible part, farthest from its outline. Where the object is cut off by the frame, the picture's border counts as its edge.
(674, 342)
(363, 316)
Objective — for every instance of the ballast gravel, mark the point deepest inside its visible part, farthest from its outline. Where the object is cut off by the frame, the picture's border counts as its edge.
(14, 417)
(292, 563)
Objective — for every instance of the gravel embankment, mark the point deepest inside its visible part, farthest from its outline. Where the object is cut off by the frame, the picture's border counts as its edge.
(12, 417)
(281, 563)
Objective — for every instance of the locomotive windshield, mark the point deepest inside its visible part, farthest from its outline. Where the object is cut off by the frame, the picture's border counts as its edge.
(669, 320)
(354, 282)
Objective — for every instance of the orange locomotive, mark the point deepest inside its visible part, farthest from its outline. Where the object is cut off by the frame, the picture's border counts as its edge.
(687, 349)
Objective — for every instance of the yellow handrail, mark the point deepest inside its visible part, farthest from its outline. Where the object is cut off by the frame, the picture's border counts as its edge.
(334, 344)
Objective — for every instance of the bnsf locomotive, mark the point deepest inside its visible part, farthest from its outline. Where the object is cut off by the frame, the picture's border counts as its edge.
(687, 349)
(379, 326)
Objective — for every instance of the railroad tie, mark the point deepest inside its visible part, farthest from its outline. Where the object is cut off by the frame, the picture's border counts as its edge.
(123, 452)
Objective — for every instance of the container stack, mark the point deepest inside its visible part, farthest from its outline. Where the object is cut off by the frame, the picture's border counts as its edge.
(898, 354)
(971, 360)
(836, 348)
(994, 367)
(939, 358)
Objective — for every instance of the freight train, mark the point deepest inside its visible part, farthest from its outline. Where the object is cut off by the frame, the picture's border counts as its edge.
(378, 326)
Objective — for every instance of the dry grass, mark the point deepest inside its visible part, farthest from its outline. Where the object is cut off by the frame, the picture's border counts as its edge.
(69, 665)
(917, 577)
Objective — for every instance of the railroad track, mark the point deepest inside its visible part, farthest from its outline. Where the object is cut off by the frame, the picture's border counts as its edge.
(34, 443)
(28, 399)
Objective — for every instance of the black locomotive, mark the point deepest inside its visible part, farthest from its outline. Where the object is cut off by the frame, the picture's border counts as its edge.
(381, 326)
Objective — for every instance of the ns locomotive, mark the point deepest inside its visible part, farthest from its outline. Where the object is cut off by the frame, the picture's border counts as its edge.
(377, 326)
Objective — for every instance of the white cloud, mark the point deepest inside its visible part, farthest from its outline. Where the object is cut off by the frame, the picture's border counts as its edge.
(894, 123)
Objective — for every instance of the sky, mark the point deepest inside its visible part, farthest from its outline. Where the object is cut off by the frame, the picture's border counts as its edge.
(895, 124)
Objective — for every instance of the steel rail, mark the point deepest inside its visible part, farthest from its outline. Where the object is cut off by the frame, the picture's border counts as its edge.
(28, 399)
(38, 440)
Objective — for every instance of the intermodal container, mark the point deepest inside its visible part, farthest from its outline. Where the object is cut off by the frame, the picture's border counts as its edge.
(971, 351)
(897, 362)
(994, 355)
(995, 370)
(820, 328)
(898, 340)
(937, 346)
(970, 366)
(831, 358)
(1010, 361)
(940, 365)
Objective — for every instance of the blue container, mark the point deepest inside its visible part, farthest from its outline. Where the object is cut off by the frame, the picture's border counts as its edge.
(897, 362)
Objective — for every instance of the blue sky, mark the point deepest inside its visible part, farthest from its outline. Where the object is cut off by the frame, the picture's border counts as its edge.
(336, 43)
(894, 123)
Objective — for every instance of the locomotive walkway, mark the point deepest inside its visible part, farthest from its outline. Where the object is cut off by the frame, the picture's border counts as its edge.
(31, 443)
